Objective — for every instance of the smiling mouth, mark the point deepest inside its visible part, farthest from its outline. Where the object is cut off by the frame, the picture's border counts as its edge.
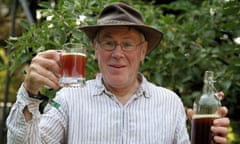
(117, 66)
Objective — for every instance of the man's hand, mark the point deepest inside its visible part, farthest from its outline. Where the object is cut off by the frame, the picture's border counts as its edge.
(43, 70)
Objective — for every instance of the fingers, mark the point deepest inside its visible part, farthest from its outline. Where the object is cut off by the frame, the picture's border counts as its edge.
(49, 60)
(43, 70)
(224, 122)
(190, 114)
(220, 129)
(220, 134)
(223, 111)
(40, 76)
(220, 140)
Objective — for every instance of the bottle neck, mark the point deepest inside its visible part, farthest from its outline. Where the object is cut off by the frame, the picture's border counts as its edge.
(208, 88)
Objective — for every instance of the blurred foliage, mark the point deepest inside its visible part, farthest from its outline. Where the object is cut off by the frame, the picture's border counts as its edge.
(198, 36)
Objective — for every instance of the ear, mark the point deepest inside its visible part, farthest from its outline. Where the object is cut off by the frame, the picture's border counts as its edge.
(144, 50)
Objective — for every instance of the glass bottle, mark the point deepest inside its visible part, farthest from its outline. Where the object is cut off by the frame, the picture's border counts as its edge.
(206, 109)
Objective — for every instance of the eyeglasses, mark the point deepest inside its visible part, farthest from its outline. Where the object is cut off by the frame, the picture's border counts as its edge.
(125, 46)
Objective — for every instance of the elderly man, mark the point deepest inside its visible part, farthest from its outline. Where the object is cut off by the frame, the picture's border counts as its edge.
(120, 106)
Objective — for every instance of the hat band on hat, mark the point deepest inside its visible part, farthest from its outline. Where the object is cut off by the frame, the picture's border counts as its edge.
(114, 22)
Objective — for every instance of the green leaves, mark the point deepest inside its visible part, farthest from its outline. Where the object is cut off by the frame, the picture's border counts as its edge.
(198, 36)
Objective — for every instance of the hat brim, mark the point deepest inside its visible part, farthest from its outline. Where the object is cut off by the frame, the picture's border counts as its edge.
(152, 35)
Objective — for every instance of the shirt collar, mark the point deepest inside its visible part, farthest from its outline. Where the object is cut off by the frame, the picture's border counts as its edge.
(143, 89)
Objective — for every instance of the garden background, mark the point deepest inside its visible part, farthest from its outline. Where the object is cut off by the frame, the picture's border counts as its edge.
(198, 36)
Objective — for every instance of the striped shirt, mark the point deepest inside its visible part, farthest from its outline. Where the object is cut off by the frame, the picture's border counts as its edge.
(93, 115)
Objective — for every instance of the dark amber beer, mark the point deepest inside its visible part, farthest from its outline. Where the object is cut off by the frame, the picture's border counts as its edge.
(73, 65)
(201, 129)
(73, 62)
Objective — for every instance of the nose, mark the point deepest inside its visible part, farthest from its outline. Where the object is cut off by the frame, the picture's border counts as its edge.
(117, 52)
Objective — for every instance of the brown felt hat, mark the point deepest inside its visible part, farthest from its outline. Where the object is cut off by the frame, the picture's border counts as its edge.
(120, 14)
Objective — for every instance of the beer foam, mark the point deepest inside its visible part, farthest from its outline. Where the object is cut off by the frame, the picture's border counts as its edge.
(197, 116)
(74, 53)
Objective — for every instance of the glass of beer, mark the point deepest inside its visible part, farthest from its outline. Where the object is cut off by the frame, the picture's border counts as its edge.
(73, 62)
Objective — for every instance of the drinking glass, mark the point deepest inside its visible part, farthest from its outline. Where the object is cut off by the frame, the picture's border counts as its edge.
(73, 62)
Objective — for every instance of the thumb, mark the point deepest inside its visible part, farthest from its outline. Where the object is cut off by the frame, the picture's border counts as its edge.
(190, 114)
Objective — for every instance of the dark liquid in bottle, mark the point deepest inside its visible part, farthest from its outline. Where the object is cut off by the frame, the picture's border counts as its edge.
(201, 132)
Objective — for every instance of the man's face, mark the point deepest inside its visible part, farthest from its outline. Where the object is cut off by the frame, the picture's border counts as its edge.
(118, 67)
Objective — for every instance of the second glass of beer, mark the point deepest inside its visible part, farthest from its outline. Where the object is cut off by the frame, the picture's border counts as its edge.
(73, 62)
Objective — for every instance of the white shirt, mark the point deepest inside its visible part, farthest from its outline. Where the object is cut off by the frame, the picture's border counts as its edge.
(92, 115)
